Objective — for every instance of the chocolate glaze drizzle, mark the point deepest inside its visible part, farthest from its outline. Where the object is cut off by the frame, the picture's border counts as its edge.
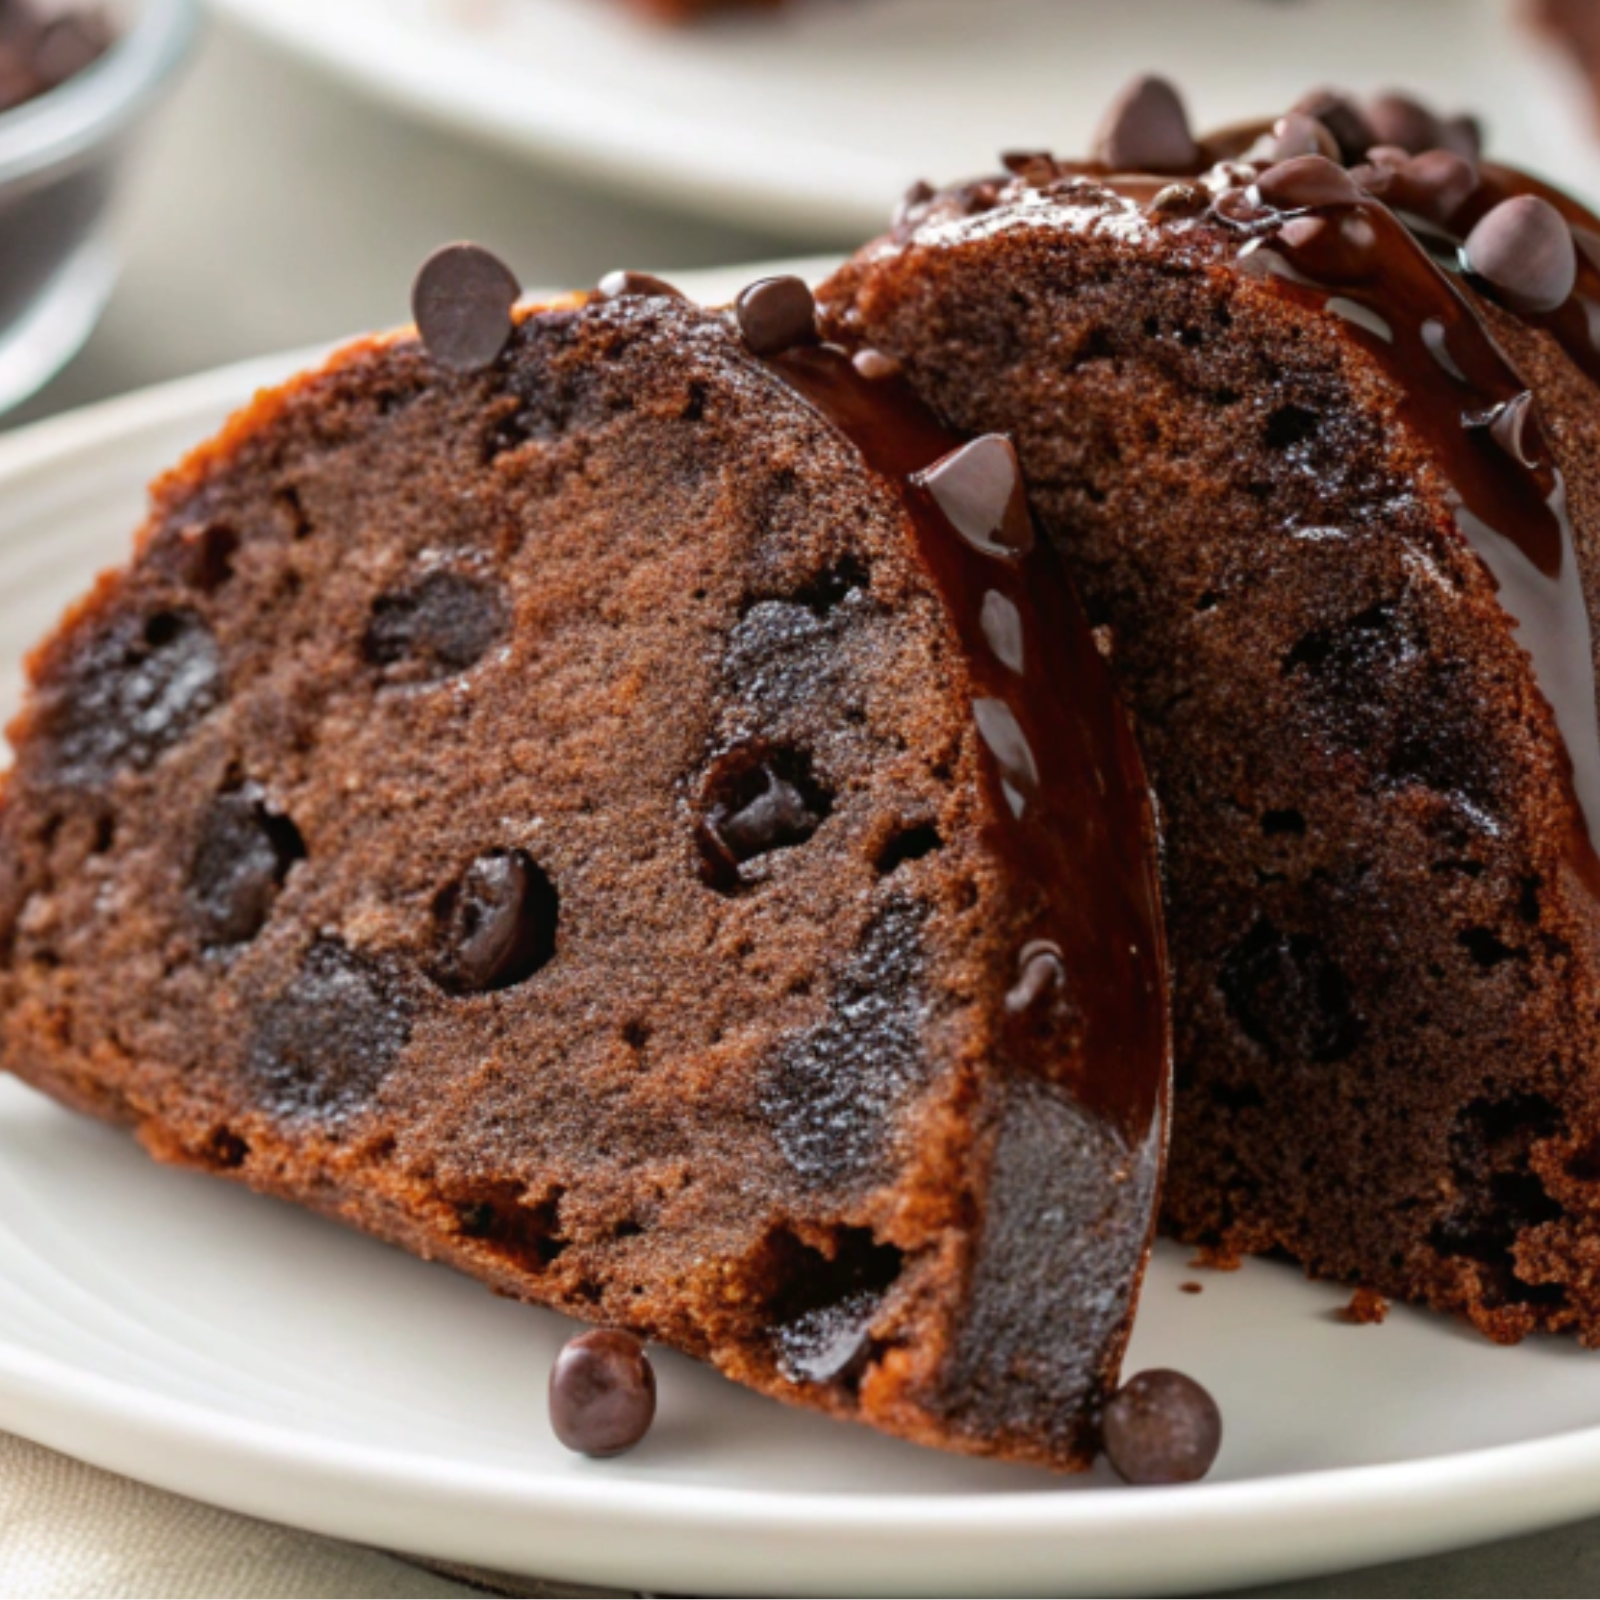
(1071, 806)
(1398, 281)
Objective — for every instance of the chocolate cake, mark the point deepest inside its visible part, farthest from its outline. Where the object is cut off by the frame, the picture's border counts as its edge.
(1310, 408)
(616, 800)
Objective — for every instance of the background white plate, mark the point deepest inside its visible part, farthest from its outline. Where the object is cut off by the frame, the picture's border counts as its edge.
(228, 1347)
(814, 120)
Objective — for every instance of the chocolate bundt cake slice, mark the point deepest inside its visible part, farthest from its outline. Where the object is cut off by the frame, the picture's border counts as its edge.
(616, 801)
(1311, 409)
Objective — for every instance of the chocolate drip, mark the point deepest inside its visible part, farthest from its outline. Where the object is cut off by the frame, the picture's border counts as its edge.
(1473, 408)
(1397, 281)
(1071, 808)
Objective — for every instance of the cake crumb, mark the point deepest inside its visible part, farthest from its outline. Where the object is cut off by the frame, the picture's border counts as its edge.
(1366, 1306)
(1217, 1258)
(1192, 1288)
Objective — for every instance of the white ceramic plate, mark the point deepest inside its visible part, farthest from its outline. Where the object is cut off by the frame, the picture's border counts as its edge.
(228, 1347)
(814, 120)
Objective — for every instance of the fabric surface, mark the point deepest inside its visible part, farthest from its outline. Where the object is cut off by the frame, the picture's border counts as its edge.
(69, 1530)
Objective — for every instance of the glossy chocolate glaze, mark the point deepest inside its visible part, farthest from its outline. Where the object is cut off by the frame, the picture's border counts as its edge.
(1399, 283)
(1069, 800)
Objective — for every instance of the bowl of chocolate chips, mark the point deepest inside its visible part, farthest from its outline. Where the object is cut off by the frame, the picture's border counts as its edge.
(75, 78)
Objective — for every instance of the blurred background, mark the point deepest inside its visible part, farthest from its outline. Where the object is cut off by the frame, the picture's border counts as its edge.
(308, 154)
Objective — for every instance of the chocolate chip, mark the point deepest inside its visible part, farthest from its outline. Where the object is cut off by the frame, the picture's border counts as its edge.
(1523, 249)
(323, 1047)
(440, 626)
(973, 199)
(129, 693)
(1146, 130)
(1022, 162)
(1463, 136)
(497, 925)
(624, 285)
(756, 800)
(602, 1393)
(913, 203)
(1179, 200)
(1040, 971)
(1436, 184)
(462, 301)
(775, 314)
(1343, 118)
(1305, 182)
(1300, 135)
(1397, 119)
(1161, 1427)
(241, 860)
(979, 490)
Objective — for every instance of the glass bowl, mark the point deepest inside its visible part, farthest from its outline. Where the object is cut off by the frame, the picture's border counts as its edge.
(60, 155)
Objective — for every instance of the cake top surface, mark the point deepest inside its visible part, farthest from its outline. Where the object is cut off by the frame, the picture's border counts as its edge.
(1387, 218)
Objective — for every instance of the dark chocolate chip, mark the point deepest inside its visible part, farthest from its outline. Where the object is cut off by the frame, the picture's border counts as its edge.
(128, 694)
(1179, 200)
(1397, 119)
(1022, 162)
(323, 1047)
(1300, 135)
(1343, 118)
(624, 285)
(1161, 1427)
(602, 1393)
(1436, 183)
(757, 800)
(243, 856)
(1147, 130)
(1463, 136)
(976, 198)
(913, 202)
(1306, 182)
(776, 314)
(443, 624)
(1040, 971)
(979, 490)
(497, 925)
(462, 301)
(1524, 250)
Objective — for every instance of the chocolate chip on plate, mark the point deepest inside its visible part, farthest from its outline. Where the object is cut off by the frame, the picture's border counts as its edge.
(1147, 130)
(776, 314)
(1307, 182)
(1524, 251)
(462, 301)
(1161, 1427)
(623, 285)
(602, 1393)
(979, 490)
